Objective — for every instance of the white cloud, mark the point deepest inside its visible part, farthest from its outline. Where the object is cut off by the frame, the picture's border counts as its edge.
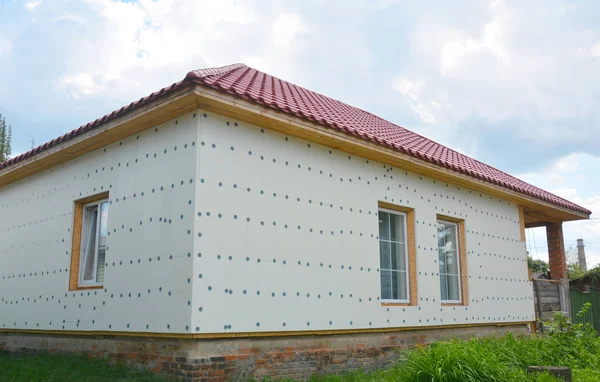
(455, 53)
(567, 193)
(569, 163)
(510, 67)
(570, 170)
(78, 85)
(557, 180)
(33, 4)
(556, 172)
(411, 90)
(5, 46)
(589, 230)
(129, 49)
(286, 29)
(72, 18)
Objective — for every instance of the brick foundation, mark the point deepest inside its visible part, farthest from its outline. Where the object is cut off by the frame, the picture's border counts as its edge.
(294, 357)
(556, 251)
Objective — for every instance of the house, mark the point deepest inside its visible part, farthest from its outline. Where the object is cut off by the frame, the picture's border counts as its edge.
(590, 279)
(235, 224)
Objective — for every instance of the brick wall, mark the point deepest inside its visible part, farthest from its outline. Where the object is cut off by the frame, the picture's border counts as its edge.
(294, 357)
(556, 251)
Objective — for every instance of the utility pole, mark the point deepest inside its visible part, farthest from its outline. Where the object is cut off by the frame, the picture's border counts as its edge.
(581, 255)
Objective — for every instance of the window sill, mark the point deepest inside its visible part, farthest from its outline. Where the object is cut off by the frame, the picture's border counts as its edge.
(87, 287)
(396, 304)
(453, 304)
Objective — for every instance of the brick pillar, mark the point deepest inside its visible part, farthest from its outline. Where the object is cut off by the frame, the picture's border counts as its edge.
(556, 251)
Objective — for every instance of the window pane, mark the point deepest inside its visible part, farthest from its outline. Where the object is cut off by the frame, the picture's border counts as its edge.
(399, 284)
(393, 256)
(88, 243)
(451, 262)
(441, 234)
(386, 285)
(384, 255)
(453, 287)
(398, 256)
(451, 237)
(103, 234)
(444, 286)
(442, 260)
(397, 227)
(448, 261)
(384, 225)
(447, 236)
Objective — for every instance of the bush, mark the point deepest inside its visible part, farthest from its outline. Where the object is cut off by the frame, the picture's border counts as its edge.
(498, 358)
(506, 359)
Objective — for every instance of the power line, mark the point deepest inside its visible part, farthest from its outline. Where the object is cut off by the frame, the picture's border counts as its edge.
(546, 247)
(536, 251)
(528, 242)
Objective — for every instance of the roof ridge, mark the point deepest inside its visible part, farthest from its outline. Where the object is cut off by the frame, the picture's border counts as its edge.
(218, 71)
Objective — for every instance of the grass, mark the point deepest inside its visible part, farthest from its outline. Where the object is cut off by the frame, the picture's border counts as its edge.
(497, 358)
(49, 367)
(491, 359)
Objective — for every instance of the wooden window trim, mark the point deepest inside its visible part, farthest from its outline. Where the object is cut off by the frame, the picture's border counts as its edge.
(462, 249)
(76, 241)
(412, 253)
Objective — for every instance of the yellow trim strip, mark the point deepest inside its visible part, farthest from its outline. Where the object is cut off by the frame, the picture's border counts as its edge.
(256, 334)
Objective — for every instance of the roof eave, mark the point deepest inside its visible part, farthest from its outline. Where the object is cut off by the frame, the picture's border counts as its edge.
(263, 115)
(151, 113)
(187, 96)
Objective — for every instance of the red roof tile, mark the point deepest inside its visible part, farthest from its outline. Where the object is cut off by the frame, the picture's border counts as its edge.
(253, 85)
(264, 89)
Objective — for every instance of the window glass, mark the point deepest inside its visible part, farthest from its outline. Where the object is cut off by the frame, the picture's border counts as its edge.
(88, 243)
(94, 232)
(102, 242)
(447, 235)
(393, 256)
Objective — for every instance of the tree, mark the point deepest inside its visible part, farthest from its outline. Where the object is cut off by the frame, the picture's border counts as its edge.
(2, 138)
(573, 269)
(537, 266)
(5, 139)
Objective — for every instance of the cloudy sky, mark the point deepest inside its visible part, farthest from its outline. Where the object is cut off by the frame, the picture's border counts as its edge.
(515, 85)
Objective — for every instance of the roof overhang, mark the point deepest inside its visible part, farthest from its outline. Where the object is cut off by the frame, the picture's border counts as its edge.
(139, 119)
(536, 211)
(193, 96)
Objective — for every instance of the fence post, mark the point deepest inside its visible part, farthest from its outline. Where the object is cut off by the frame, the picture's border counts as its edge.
(565, 297)
(595, 311)
(538, 305)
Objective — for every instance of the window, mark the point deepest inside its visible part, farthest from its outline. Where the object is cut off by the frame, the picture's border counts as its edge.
(93, 243)
(452, 261)
(393, 256)
(90, 230)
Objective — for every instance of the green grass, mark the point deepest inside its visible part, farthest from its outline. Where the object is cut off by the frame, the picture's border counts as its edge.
(497, 358)
(48, 367)
(491, 359)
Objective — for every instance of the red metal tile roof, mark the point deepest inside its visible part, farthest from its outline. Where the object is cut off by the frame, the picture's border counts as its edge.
(255, 86)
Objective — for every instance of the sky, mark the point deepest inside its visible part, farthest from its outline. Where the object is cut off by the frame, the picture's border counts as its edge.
(514, 84)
